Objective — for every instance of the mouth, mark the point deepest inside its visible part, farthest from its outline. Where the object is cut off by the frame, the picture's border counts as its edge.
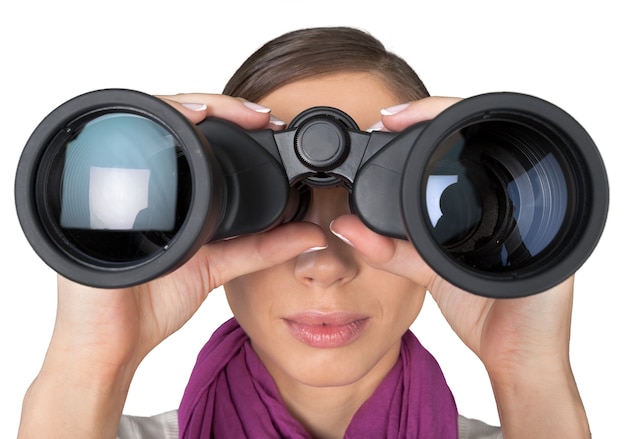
(326, 330)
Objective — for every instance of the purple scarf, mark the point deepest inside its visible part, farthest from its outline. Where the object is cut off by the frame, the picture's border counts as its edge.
(231, 395)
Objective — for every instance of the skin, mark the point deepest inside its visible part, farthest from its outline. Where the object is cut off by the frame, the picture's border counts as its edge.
(330, 383)
(330, 262)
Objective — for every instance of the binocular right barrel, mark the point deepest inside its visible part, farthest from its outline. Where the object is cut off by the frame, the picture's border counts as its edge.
(512, 199)
(502, 194)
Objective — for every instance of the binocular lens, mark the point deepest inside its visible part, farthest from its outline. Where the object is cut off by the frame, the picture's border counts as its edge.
(496, 195)
(511, 195)
(111, 189)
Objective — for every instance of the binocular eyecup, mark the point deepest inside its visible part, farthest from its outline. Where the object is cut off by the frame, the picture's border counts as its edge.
(502, 194)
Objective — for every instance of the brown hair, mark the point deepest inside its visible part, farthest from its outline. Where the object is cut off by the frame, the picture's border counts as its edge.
(313, 52)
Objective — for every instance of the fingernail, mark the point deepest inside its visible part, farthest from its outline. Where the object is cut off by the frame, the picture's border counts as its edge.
(315, 249)
(378, 126)
(276, 121)
(256, 107)
(394, 109)
(340, 236)
(194, 106)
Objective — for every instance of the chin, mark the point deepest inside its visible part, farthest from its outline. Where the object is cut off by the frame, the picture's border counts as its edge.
(336, 367)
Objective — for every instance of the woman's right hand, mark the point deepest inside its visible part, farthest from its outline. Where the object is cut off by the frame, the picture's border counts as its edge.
(101, 336)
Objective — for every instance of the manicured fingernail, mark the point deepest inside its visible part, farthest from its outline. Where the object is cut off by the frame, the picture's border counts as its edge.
(256, 107)
(315, 249)
(394, 109)
(194, 106)
(340, 236)
(276, 121)
(378, 126)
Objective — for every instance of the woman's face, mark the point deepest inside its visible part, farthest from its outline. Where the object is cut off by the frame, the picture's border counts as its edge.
(326, 318)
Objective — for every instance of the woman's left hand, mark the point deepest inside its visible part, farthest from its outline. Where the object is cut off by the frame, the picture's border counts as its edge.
(523, 343)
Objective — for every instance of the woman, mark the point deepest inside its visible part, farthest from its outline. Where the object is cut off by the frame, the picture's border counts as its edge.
(320, 345)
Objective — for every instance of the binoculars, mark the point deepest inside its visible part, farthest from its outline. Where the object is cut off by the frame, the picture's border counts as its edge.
(502, 194)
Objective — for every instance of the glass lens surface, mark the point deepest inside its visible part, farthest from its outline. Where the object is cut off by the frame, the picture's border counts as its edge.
(496, 195)
(113, 190)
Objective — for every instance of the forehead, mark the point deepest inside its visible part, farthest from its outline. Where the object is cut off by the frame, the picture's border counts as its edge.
(361, 95)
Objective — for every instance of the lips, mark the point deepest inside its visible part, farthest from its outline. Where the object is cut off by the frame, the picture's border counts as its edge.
(326, 330)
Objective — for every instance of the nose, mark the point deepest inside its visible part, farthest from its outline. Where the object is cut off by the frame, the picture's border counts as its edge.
(338, 263)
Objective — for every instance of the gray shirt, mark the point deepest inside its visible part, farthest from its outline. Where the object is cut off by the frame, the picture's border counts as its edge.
(165, 426)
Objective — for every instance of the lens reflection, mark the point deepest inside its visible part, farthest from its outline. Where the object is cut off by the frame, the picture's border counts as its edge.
(113, 188)
(496, 195)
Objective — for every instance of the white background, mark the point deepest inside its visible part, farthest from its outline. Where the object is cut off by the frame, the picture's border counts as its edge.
(570, 53)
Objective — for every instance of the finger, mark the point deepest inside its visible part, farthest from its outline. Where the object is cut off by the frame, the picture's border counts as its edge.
(226, 260)
(402, 116)
(276, 124)
(198, 106)
(393, 255)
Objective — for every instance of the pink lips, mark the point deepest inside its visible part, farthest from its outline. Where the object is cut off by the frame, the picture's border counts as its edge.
(326, 330)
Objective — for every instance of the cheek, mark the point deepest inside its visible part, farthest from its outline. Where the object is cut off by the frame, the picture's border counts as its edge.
(400, 303)
(255, 297)
(244, 294)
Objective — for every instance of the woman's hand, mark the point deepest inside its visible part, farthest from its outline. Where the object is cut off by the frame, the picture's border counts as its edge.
(523, 343)
(101, 336)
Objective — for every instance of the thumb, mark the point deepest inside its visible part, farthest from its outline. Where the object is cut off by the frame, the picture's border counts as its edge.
(396, 256)
(226, 260)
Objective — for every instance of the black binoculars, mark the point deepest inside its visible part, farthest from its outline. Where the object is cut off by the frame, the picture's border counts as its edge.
(502, 194)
